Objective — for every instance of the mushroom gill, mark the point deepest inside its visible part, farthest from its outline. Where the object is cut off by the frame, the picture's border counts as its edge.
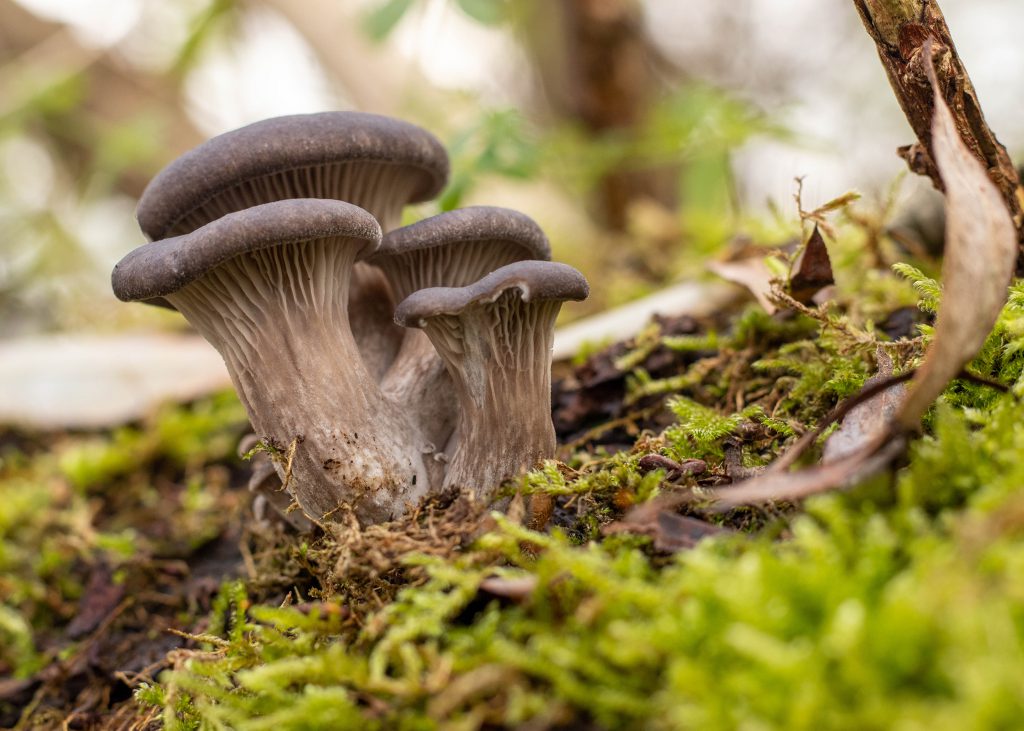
(267, 287)
(377, 163)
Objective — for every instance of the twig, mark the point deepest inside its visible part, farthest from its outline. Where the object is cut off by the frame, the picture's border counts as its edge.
(900, 29)
(837, 414)
(966, 375)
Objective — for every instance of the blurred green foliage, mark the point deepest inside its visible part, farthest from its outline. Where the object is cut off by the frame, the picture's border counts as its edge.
(86, 500)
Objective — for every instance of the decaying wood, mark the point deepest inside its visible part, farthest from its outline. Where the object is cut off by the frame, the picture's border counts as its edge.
(899, 29)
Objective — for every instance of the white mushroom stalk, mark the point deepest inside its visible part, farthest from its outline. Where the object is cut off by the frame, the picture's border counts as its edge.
(495, 337)
(268, 287)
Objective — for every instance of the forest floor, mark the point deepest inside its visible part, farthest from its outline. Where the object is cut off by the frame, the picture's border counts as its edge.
(139, 591)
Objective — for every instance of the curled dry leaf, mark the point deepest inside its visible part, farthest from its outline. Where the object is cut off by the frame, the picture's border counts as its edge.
(812, 271)
(866, 421)
(981, 248)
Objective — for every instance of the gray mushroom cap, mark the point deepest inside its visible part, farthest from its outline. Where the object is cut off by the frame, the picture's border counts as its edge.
(160, 268)
(475, 223)
(289, 144)
(537, 281)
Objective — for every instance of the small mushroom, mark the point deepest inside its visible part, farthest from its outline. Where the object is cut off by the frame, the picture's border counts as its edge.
(377, 163)
(452, 249)
(495, 338)
(268, 287)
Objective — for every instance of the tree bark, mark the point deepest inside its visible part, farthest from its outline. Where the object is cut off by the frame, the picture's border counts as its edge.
(899, 29)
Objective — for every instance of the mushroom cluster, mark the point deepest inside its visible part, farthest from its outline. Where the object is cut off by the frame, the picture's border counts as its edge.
(389, 363)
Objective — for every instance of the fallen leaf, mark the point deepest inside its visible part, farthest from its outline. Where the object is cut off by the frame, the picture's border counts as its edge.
(100, 598)
(812, 270)
(678, 532)
(843, 473)
(868, 420)
(981, 249)
(752, 273)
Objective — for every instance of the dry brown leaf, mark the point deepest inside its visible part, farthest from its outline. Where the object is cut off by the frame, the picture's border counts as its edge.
(981, 249)
(868, 420)
(671, 532)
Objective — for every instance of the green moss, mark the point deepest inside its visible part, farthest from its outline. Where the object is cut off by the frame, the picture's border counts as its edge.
(899, 613)
(896, 605)
(90, 500)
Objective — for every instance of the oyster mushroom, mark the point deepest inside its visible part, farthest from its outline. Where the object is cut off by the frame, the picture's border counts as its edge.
(268, 287)
(495, 339)
(452, 249)
(377, 163)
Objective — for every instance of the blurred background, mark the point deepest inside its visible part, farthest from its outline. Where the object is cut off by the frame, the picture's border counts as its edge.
(643, 135)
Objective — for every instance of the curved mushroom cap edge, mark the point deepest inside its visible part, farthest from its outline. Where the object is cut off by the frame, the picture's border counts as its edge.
(537, 281)
(159, 268)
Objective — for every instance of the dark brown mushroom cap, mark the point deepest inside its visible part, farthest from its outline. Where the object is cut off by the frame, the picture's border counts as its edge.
(537, 281)
(476, 223)
(288, 143)
(162, 267)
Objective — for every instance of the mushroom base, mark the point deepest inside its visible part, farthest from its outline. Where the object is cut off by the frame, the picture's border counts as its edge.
(499, 358)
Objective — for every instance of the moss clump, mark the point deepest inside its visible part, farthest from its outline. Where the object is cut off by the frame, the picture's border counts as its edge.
(86, 521)
(880, 609)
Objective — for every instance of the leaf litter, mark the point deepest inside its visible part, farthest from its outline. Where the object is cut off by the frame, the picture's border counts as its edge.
(981, 249)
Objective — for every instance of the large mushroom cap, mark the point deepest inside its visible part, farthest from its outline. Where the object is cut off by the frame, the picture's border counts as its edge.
(537, 281)
(292, 144)
(163, 267)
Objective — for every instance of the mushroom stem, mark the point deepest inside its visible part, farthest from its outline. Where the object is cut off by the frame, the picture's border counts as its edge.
(495, 338)
(503, 389)
(277, 318)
